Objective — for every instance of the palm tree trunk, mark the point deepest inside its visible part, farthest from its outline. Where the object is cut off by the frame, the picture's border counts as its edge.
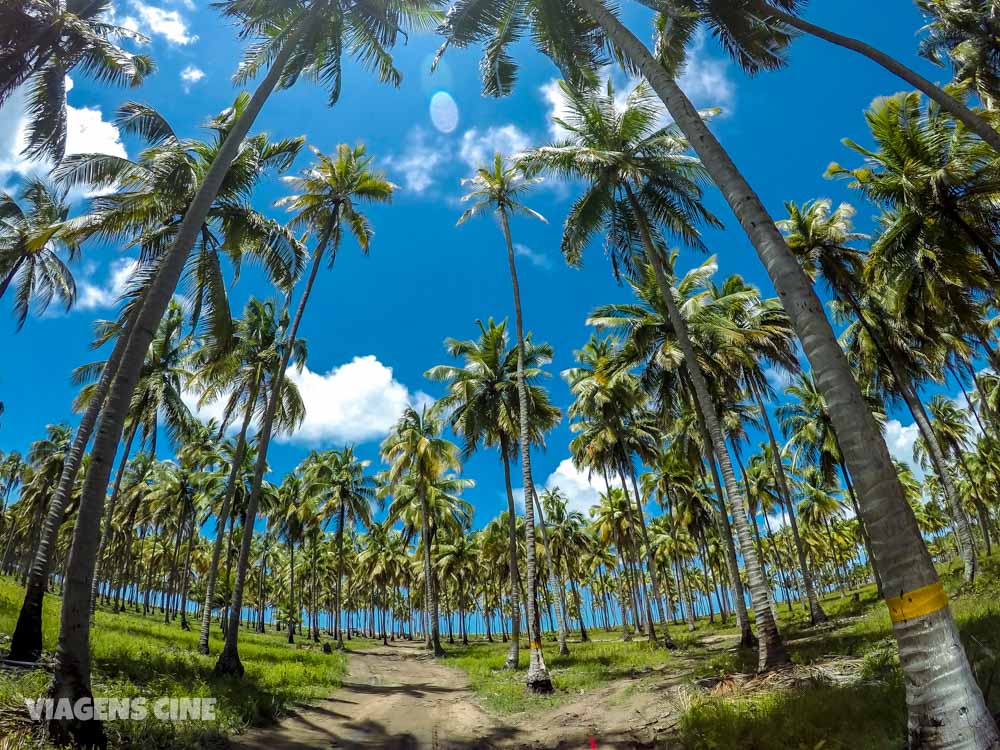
(433, 634)
(71, 679)
(558, 588)
(816, 613)
(220, 524)
(654, 578)
(948, 103)
(229, 660)
(538, 679)
(944, 702)
(771, 648)
(514, 646)
(338, 602)
(26, 644)
(292, 614)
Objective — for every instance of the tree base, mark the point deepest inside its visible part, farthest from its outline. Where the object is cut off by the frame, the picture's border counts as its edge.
(816, 615)
(747, 638)
(229, 664)
(67, 684)
(26, 644)
(563, 649)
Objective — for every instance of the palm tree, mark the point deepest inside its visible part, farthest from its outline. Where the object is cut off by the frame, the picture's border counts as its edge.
(483, 404)
(330, 194)
(48, 41)
(296, 38)
(756, 19)
(642, 177)
(244, 369)
(347, 492)
(574, 36)
(418, 460)
(31, 240)
(965, 33)
(498, 189)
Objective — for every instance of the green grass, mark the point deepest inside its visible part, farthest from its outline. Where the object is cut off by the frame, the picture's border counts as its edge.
(135, 656)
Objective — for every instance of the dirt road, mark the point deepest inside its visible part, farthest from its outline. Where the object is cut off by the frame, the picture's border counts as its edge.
(397, 697)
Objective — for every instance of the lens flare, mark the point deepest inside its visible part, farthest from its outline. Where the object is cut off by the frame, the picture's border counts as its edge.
(444, 112)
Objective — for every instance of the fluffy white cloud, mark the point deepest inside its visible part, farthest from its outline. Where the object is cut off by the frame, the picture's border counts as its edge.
(581, 491)
(535, 258)
(899, 438)
(419, 163)
(91, 296)
(153, 20)
(778, 377)
(478, 147)
(191, 75)
(354, 402)
(86, 132)
(705, 78)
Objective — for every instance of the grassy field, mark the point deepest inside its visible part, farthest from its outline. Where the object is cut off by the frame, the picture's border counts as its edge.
(868, 713)
(140, 656)
(136, 656)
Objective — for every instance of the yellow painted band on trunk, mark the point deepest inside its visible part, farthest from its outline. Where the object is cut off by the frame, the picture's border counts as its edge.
(536, 644)
(917, 603)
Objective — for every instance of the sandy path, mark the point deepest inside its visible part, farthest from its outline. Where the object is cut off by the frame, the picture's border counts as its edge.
(397, 697)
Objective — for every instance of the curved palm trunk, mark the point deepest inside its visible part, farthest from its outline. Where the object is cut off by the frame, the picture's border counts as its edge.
(557, 586)
(229, 660)
(816, 613)
(538, 679)
(26, 644)
(221, 520)
(945, 704)
(71, 679)
(514, 646)
(771, 649)
(948, 103)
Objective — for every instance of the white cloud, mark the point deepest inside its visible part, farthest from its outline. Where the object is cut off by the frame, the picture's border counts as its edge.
(354, 402)
(419, 163)
(899, 439)
(86, 132)
(705, 78)
(153, 20)
(478, 147)
(778, 377)
(535, 258)
(191, 75)
(581, 491)
(91, 296)
(556, 108)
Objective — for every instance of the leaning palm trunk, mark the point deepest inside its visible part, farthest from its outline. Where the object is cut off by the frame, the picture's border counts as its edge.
(538, 679)
(26, 644)
(229, 660)
(557, 586)
(816, 613)
(71, 679)
(945, 705)
(771, 649)
(514, 646)
(948, 103)
(220, 530)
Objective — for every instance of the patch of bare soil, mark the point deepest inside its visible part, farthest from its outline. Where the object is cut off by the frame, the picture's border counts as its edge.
(398, 697)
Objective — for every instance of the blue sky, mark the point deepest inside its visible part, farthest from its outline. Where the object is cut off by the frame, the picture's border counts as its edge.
(376, 324)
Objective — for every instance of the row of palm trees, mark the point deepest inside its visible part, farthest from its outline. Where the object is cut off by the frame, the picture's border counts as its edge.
(640, 192)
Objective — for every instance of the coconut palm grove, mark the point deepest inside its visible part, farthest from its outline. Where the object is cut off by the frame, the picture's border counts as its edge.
(500, 374)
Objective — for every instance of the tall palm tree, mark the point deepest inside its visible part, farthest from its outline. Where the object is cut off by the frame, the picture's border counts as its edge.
(759, 18)
(498, 189)
(575, 36)
(49, 40)
(483, 404)
(330, 196)
(642, 178)
(964, 33)
(419, 459)
(297, 37)
(347, 492)
(31, 241)
(242, 371)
